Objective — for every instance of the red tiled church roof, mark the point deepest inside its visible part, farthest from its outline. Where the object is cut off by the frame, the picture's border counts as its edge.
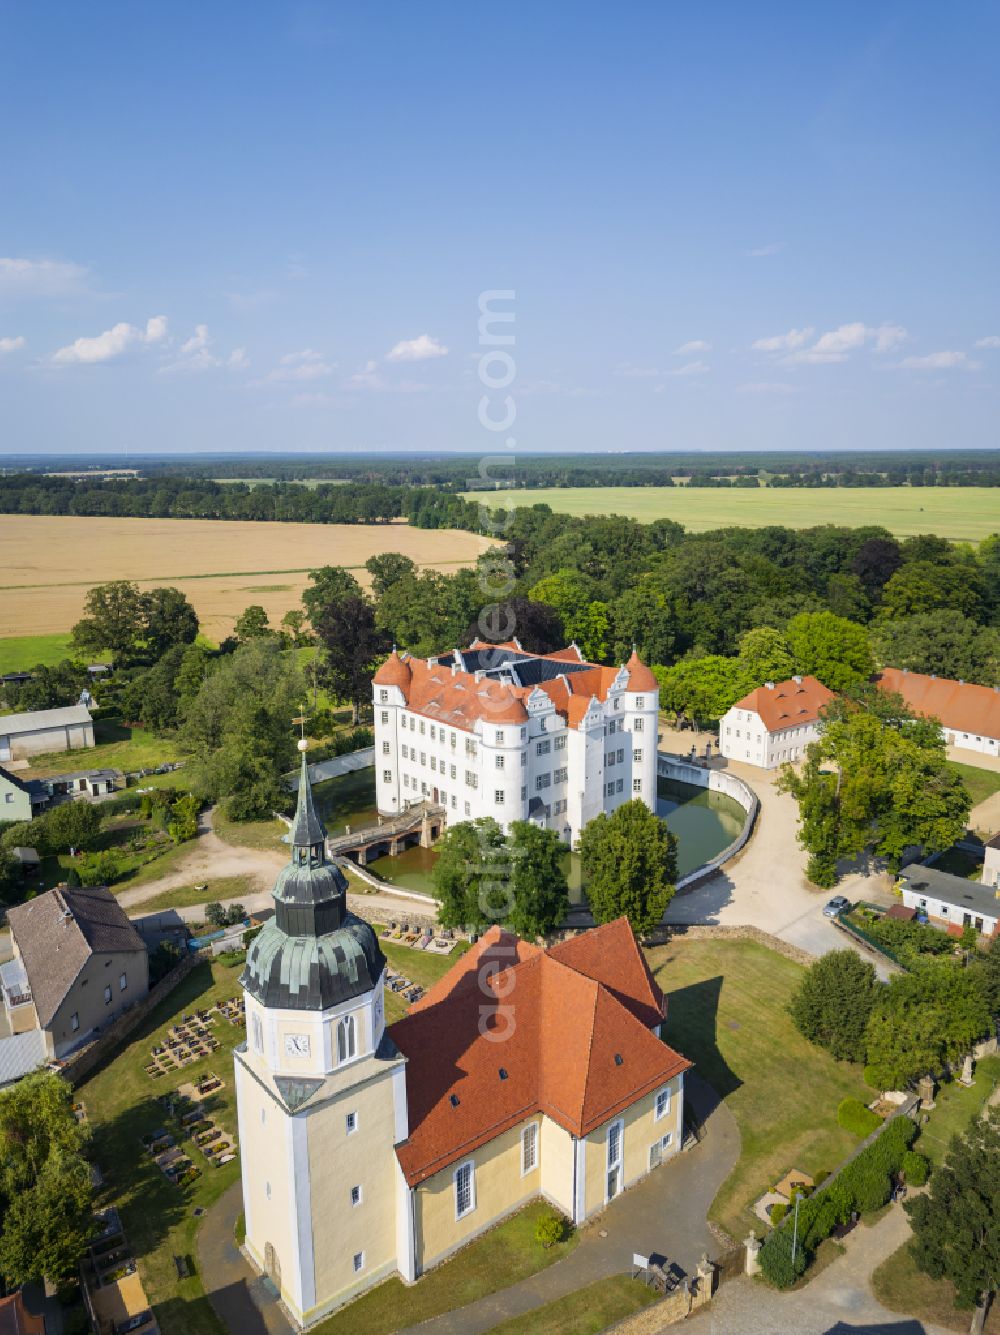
(787, 704)
(959, 705)
(514, 1030)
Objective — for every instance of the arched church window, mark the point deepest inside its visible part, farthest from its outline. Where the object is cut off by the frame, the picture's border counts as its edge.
(346, 1039)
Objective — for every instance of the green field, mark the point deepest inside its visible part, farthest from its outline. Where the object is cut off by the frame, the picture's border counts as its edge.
(18, 653)
(965, 514)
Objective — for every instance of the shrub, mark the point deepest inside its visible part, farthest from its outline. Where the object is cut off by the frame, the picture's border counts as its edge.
(871, 1074)
(775, 1258)
(215, 914)
(551, 1228)
(833, 1003)
(853, 1116)
(99, 868)
(778, 1212)
(915, 1168)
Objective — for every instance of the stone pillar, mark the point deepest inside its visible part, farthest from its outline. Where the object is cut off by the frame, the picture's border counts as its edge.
(967, 1077)
(706, 1278)
(925, 1088)
(752, 1245)
(425, 831)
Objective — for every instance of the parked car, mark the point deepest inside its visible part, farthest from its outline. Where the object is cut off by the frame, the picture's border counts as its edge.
(835, 906)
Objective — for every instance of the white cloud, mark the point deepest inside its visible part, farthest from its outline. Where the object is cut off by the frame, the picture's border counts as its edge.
(784, 342)
(305, 365)
(939, 361)
(197, 353)
(992, 341)
(12, 344)
(835, 345)
(368, 377)
(696, 345)
(773, 248)
(40, 278)
(419, 349)
(112, 343)
(692, 368)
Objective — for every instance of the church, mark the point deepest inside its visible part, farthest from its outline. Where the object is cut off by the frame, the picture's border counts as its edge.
(371, 1150)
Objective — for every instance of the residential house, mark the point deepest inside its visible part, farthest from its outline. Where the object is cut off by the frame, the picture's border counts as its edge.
(774, 723)
(68, 729)
(969, 715)
(495, 731)
(78, 964)
(17, 800)
(369, 1150)
(80, 783)
(951, 902)
(15, 1319)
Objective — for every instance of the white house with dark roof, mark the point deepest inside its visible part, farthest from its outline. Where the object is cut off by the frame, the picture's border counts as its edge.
(78, 964)
(951, 902)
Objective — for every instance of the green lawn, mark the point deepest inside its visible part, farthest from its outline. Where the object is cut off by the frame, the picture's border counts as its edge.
(118, 747)
(728, 1012)
(955, 1107)
(250, 833)
(419, 967)
(19, 653)
(188, 896)
(585, 1312)
(981, 783)
(965, 514)
(501, 1257)
(122, 1106)
(901, 1287)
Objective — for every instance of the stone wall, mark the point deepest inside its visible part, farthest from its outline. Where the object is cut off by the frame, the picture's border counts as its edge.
(78, 1067)
(738, 932)
(716, 781)
(675, 1307)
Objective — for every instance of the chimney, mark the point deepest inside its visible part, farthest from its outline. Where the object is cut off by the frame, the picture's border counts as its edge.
(769, 685)
(797, 680)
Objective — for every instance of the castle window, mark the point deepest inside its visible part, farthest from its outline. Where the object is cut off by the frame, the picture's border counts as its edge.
(258, 1034)
(384, 716)
(500, 762)
(465, 1189)
(386, 748)
(637, 785)
(498, 797)
(640, 702)
(383, 697)
(499, 737)
(346, 1039)
(529, 1148)
(387, 776)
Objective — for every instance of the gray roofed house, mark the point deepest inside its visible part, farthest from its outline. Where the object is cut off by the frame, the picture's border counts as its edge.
(84, 962)
(17, 801)
(952, 900)
(20, 1055)
(41, 730)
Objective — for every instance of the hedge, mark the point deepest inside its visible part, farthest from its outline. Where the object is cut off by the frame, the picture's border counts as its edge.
(864, 1184)
(853, 1116)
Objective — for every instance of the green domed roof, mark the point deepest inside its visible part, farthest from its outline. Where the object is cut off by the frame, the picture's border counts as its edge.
(314, 953)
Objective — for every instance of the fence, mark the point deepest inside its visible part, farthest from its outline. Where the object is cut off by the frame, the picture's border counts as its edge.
(77, 1068)
(859, 933)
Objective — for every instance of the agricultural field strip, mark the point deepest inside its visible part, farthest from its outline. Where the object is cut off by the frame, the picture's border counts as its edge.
(213, 574)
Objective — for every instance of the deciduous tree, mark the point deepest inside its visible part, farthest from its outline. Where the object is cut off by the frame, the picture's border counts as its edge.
(351, 646)
(540, 890)
(833, 1003)
(830, 648)
(629, 860)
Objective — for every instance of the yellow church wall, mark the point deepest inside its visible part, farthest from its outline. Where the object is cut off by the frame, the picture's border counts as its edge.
(499, 1189)
(268, 1206)
(557, 1153)
(338, 1161)
(642, 1130)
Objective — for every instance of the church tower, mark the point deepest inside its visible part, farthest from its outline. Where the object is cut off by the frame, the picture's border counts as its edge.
(320, 1090)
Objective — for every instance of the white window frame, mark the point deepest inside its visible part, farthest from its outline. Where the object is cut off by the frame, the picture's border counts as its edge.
(357, 1196)
(529, 1141)
(350, 1123)
(347, 1025)
(107, 995)
(359, 1262)
(469, 1165)
(617, 1164)
(122, 982)
(658, 1112)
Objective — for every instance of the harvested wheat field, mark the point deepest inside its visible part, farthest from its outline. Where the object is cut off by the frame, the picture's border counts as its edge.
(50, 561)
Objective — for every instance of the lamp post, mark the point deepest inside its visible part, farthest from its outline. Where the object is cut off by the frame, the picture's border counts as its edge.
(795, 1228)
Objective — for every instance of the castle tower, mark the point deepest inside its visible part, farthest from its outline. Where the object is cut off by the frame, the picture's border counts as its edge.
(320, 1090)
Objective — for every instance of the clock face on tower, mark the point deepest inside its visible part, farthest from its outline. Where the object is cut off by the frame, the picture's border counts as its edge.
(297, 1045)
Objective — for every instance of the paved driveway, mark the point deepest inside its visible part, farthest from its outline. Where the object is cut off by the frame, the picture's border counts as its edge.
(838, 1300)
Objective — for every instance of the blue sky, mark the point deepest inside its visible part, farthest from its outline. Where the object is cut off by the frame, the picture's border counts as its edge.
(267, 226)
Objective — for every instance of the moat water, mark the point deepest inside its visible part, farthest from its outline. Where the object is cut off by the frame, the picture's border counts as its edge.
(704, 822)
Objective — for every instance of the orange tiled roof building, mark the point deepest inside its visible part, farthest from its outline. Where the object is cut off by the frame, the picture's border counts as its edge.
(370, 1149)
(493, 730)
(775, 723)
